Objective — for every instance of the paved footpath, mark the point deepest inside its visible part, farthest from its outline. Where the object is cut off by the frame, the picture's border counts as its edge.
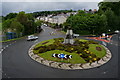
(101, 38)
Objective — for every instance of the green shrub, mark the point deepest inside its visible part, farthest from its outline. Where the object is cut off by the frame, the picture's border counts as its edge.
(92, 42)
(60, 48)
(36, 48)
(59, 39)
(42, 50)
(35, 51)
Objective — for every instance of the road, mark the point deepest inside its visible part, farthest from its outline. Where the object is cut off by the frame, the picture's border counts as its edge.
(17, 64)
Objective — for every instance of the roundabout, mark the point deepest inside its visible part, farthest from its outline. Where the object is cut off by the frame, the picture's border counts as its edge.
(18, 64)
(80, 59)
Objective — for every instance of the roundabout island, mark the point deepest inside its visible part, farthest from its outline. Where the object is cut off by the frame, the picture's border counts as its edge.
(70, 53)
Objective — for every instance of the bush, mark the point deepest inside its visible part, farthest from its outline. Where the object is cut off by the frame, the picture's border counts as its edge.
(60, 48)
(86, 46)
(35, 51)
(99, 48)
(92, 42)
(36, 48)
(59, 39)
(42, 50)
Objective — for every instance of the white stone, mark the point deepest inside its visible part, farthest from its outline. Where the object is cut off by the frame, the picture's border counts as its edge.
(105, 59)
(108, 55)
(86, 66)
(76, 66)
(38, 60)
(46, 62)
(65, 66)
(34, 56)
(94, 64)
(101, 61)
(55, 65)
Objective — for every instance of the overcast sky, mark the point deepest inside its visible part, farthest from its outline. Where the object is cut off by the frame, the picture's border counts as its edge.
(8, 7)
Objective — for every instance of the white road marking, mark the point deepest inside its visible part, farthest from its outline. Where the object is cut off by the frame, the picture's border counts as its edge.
(1, 50)
(35, 40)
(7, 45)
(4, 47)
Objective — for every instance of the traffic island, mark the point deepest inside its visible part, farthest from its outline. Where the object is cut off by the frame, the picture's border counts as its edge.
(88, 55)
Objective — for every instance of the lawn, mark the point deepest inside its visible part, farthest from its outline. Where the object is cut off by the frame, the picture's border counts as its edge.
(100, 54)
(51, 41)
(75, 57)
(83, 40)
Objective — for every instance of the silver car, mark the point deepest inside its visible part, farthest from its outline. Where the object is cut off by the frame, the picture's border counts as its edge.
(31, 37)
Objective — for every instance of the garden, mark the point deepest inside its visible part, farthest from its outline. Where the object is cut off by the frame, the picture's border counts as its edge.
(82, 51)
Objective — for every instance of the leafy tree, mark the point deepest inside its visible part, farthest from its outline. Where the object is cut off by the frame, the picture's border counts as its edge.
(38, 23)
(112, 12)
(17, 27)
(22, 18)
(10, 16)
(6, 24)
(86, 23)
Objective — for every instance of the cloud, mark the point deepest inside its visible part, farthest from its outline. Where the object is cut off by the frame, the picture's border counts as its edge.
(52, 0)
(8, 7)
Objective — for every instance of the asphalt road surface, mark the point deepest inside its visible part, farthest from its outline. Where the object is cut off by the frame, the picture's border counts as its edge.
(16, 62)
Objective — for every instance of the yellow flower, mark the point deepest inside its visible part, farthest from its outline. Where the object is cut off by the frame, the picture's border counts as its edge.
(94, 59)
(87, 51)
(91, 53)
(90, 56)
(75, 51)
(71, 48)
(90, 61)
(80, 54)
(83, 45)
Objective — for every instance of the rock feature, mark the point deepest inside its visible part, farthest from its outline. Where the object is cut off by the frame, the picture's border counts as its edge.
(69, 39)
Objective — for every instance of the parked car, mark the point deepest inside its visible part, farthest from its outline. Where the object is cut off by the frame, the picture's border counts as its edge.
(45, 25)
(31, 37)
(117, 31)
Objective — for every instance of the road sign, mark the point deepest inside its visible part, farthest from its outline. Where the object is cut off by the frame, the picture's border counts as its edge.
(61, 55)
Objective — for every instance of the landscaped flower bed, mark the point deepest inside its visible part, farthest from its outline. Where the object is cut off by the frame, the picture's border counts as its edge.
(82, 51)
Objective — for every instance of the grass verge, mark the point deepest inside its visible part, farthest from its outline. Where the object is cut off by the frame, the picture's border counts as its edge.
(75, 57)
(100, 54)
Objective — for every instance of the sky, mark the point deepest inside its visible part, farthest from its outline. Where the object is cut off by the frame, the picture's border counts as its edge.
(9, 6)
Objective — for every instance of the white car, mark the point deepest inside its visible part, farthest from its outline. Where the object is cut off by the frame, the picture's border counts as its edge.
(117, 31)
(45, 25)
(32, 37)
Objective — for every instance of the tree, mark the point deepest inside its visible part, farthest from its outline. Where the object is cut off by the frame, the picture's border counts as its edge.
(10, 16)
(6, 24)
(111, 19)
(86, 23)
(112, 12)
(22, 18)
(38, 23)
(27, 21)
(17, 27)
